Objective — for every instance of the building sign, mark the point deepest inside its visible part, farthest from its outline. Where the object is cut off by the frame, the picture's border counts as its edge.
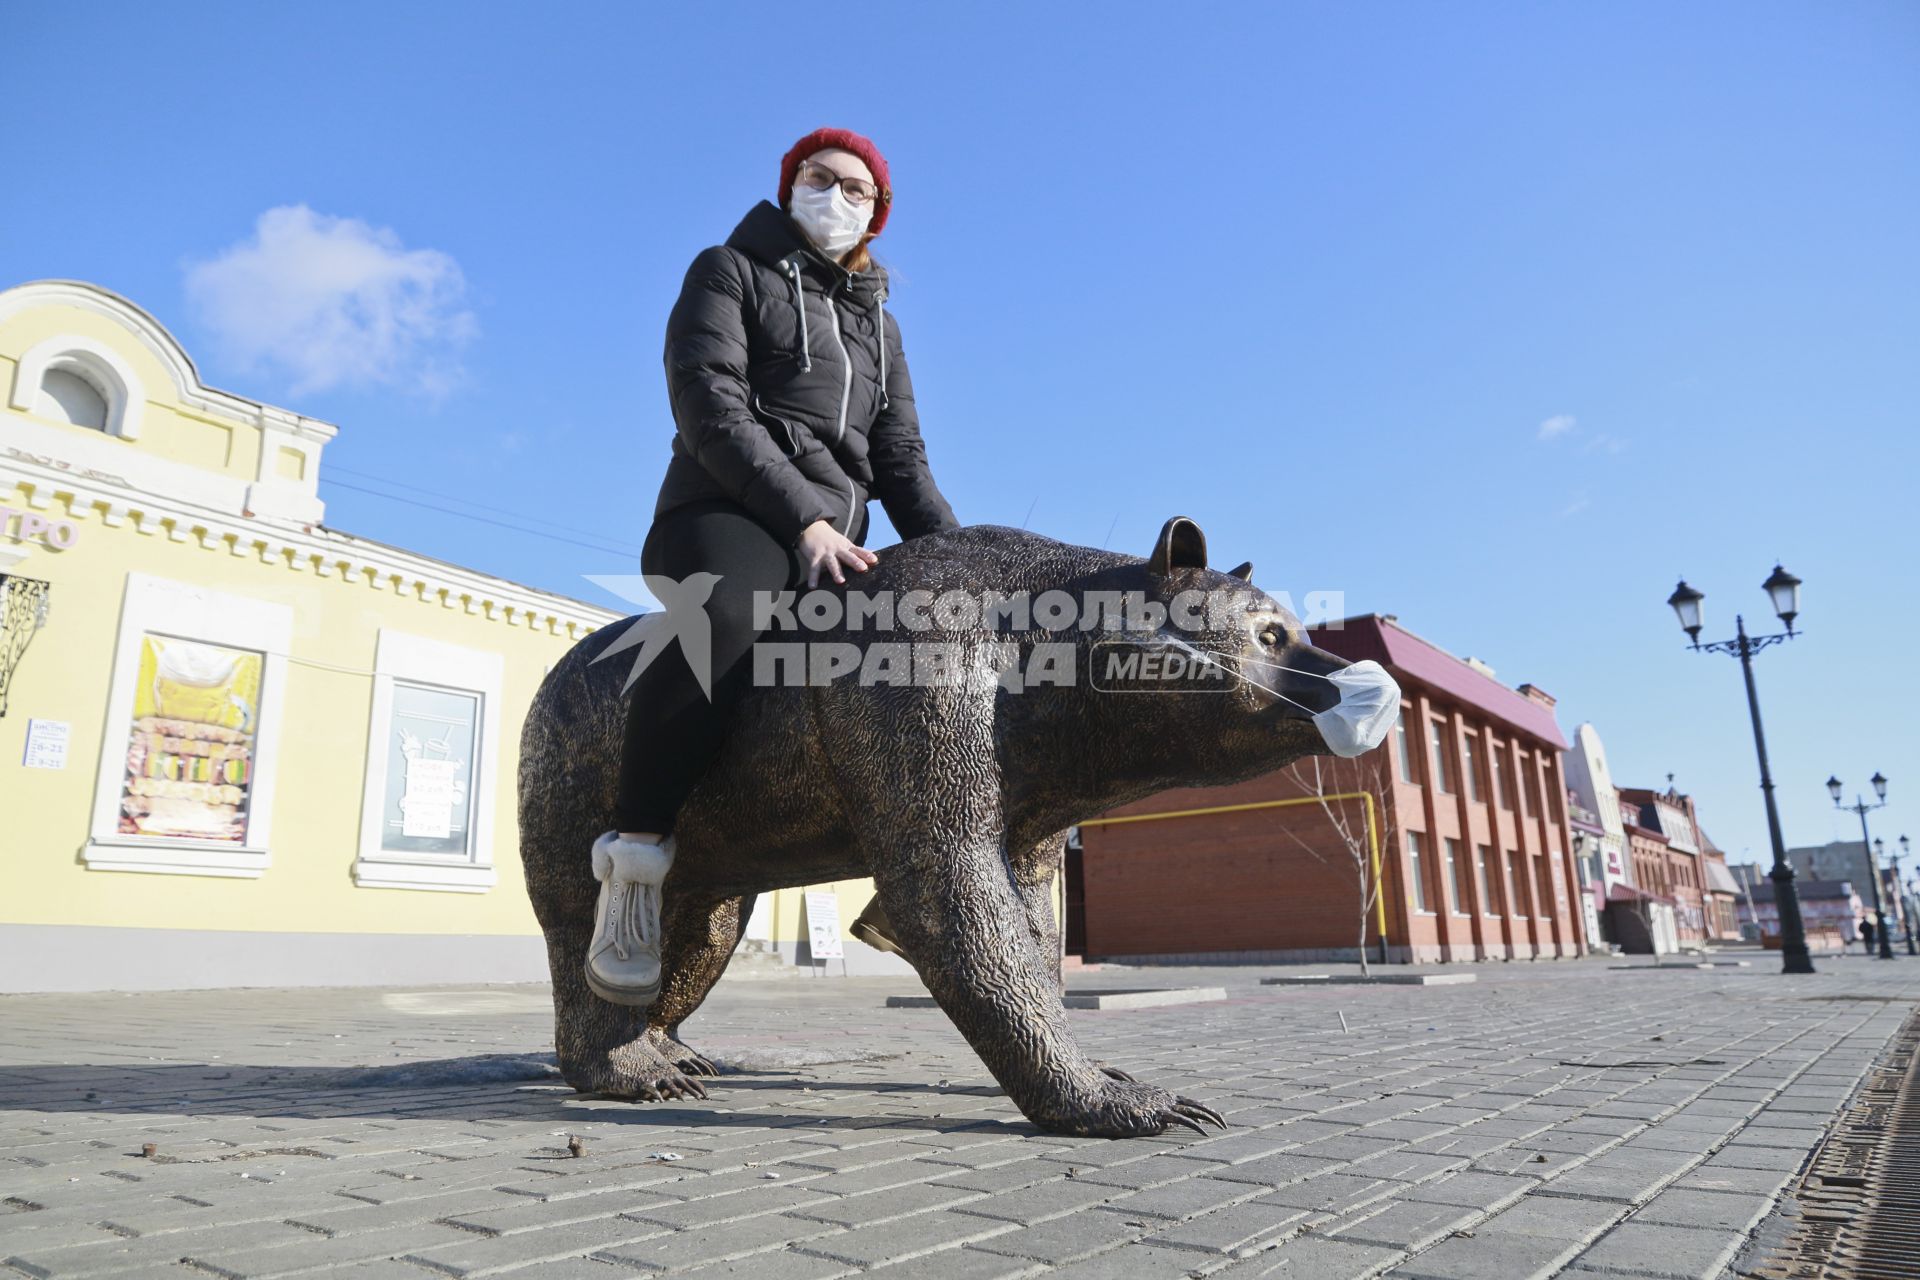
(191, 750)
(429, 782)
(823, 927)
(58, 534)
(46, 744)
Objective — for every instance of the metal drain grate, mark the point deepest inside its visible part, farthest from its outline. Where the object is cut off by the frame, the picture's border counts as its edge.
(1860, 1196)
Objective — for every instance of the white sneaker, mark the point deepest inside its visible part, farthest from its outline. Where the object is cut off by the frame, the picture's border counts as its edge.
(623, 960)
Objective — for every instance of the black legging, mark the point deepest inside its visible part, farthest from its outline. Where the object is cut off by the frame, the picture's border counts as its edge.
(673, 731)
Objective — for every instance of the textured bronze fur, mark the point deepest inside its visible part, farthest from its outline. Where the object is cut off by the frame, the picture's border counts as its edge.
(955, 800)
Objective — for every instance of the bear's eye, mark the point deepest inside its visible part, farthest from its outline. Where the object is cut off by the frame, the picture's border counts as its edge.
(1270, 637)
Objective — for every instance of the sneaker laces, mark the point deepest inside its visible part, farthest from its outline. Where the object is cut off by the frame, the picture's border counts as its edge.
(630, 917)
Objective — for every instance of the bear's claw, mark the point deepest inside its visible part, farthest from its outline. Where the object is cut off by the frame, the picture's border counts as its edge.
(694, 1063)
(666, 1086)
(1188, 1113)
(635, 1072)
(675, 1052)
(1126, 1109)
(1115, 1073)
(1191, 1110)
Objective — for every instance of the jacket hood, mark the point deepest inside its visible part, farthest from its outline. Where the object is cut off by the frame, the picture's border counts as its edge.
(770, 236)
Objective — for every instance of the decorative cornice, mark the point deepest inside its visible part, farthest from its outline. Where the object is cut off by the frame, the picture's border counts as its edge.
(324, 552)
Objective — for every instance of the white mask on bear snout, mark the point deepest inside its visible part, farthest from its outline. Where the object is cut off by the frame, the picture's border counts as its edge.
(1369, 704)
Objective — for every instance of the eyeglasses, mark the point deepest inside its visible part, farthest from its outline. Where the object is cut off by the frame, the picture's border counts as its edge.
(821, 178)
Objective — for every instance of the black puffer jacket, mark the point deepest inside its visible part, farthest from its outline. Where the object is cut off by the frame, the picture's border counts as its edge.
(790, 393)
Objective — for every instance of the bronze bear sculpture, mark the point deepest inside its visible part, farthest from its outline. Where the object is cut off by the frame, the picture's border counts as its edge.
(955, 797)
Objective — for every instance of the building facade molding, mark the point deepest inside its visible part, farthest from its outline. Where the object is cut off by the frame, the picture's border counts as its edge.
(322, 551)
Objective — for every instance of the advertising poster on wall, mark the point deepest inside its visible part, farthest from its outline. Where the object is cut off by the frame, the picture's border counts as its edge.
(823, 927)
(190, 753)
(430, 758)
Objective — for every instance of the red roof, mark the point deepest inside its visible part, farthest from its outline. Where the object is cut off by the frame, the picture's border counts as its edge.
(1406, 654)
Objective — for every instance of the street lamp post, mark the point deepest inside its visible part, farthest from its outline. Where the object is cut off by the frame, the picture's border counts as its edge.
(1862, 808)
(1906, 899)
(1783, 590)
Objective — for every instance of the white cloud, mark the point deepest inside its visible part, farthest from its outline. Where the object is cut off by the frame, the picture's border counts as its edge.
(1556, 426)
(1580, 503)
(332, 302)
(1604, 443)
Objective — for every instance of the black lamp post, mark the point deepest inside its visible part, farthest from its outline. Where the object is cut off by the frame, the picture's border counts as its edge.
(1783, 589)
(1905, 898)
(1862, 808)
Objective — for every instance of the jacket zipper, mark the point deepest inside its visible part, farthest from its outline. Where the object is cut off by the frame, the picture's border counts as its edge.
(846, 371)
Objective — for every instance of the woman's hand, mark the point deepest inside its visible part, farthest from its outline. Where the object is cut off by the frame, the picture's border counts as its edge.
(824, 547)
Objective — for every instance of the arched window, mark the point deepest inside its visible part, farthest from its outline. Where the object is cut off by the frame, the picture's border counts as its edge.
(75, 379)
(68, 396)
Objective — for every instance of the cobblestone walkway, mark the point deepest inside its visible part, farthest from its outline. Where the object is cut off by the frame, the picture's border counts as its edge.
(1550, 1119)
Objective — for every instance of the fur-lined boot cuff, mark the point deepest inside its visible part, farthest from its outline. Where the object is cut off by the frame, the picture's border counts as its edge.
(633, 861)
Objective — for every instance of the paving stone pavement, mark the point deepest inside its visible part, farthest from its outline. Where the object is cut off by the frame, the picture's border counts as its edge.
(1553, 1117)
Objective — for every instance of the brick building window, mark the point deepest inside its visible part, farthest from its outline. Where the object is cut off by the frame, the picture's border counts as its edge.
(1470, 762)
(1516, 900)
(1406, 752)
(1542, 881)
(1456, 885)
(1416, 874)
(1523, 765)
(1483, 858)
(1443, 780)
(1501, 792)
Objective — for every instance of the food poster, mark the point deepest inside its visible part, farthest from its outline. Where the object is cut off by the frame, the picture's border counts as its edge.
(190, 756)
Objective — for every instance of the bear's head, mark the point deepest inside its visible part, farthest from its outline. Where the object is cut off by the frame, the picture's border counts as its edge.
(1220, 676)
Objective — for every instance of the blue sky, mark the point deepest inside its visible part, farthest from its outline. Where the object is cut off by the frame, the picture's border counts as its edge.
(1498, 317)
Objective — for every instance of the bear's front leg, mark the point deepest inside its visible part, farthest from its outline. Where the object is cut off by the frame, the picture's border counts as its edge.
(922, 784)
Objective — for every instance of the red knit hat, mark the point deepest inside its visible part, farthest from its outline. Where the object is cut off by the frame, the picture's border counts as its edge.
(846, 140)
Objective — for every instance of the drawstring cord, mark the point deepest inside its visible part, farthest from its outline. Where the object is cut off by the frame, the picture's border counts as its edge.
(806, 353)
(880, 309)
(800, 308)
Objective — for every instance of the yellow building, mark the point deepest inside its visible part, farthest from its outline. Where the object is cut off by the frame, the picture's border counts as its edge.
(239, 747)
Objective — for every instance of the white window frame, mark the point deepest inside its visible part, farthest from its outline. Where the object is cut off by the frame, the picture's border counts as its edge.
(415, 659)
(1416, 841)
(166, 607)
(1449, 855)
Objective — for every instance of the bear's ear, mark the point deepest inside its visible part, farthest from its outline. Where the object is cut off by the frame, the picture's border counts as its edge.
(1181, 546)
(1242, 571)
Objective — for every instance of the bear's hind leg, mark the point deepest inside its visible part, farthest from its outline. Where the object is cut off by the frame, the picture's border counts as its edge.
(602, 1046)
(701, 934)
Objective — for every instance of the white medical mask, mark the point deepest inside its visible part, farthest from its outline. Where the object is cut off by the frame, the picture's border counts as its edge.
(830, 220)
(1369, 704)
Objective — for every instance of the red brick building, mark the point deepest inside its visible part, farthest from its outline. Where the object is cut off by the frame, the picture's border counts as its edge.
(1469, 812)
(1664, 837)
(1723, 893)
